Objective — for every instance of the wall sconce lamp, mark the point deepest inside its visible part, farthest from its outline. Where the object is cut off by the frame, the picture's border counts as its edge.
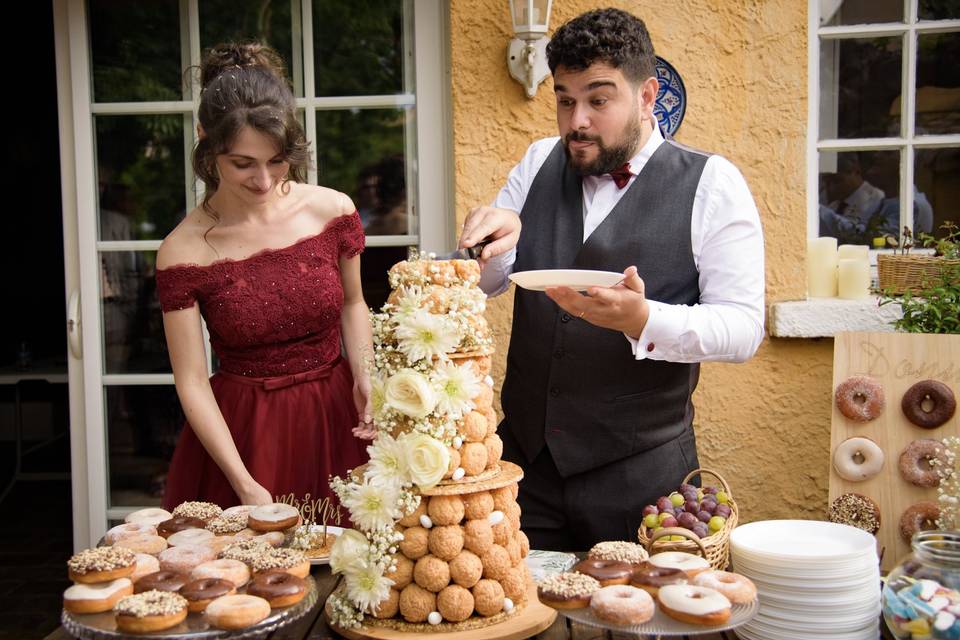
(527, 53)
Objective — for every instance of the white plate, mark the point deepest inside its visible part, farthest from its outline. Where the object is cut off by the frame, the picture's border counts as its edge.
(801, 540)
(576, 279)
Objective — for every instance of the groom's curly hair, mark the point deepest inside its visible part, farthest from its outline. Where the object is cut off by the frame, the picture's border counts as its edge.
(612, 36)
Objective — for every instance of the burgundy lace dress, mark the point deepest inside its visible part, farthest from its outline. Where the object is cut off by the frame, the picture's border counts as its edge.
(284, 390)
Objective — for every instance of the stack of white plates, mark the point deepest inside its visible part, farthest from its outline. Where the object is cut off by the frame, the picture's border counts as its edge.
(815, 580)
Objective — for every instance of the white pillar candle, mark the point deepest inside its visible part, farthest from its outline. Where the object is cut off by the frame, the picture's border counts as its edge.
(822, 267)
(853, 278)
(857, 251)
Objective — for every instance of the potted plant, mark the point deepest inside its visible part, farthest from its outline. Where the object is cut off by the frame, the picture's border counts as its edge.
(900, 273)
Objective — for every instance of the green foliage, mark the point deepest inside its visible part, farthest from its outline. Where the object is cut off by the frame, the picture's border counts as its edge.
(935, 308)
(949, 245)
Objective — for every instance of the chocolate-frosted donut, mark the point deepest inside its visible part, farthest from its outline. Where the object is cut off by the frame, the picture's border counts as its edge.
(279, 588)
(928, 404)
(179, 523)
(860, 398)
(162, 580)
(920, 460)
(606, 572)
(200, 592)
(650, 577)
(921, 516)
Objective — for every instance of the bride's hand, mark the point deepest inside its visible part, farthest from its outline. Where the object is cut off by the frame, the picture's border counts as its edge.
(364, 404)
(254, 494)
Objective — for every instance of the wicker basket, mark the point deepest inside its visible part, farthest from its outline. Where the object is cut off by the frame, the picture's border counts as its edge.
(899, 274)
(715, 547)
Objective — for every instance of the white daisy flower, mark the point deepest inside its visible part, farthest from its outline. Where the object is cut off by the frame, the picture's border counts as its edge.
(388, 462)
(409, 301)
(368, 587)
(456, 388)
(372, 506)
(424, 336)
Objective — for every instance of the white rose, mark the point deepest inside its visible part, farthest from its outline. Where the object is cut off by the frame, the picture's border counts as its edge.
(427, 459)
(410, 393)
(349, 552)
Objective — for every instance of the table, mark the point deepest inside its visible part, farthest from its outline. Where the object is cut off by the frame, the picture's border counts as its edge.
(313, 626)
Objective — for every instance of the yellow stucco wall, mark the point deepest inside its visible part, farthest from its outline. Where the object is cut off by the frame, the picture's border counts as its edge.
(764, 424)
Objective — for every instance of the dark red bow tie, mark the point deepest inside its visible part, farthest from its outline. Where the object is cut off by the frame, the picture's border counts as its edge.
(621, 175)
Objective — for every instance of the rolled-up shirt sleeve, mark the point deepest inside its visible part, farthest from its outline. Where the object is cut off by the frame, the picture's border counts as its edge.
(727, 240)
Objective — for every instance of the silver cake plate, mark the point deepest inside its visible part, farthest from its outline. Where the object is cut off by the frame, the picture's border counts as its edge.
(663, 625)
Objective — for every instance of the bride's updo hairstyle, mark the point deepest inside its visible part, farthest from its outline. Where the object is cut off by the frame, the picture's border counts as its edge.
(245, 85)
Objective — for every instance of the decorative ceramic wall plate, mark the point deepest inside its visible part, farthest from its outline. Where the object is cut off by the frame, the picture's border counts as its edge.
(671, 100)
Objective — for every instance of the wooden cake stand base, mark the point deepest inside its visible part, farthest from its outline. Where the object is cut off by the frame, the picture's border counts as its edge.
(530, 620)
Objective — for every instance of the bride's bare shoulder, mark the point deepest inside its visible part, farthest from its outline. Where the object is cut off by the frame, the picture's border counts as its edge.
(185, 245)
(325, 204)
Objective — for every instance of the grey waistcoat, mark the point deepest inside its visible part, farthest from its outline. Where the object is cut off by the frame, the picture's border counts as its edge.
(575, 387)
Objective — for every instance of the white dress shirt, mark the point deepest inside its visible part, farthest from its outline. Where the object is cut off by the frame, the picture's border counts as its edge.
(727, 242)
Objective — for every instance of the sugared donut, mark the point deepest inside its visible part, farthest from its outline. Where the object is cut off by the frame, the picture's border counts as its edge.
(279, 588)
(129, 530)
(686, 562)
(96, 598)
(928, 404)
(651, 577)
(237, 611)
(152, 516)
(738, 589)
(622, 604)
(606, 572)
(101, 564)
(150, 611)
(273, 517)
(200, 593)
(233, 571)
(189, 536)
(693, 604)
(857, 511)
(567, 590)
(162, 580)
(921, 516)
(919, 462)
(856, 459)
(860, 398)
(152, 545)
(185, 557)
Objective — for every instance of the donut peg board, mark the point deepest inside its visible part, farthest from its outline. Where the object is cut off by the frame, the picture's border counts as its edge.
(876, 451)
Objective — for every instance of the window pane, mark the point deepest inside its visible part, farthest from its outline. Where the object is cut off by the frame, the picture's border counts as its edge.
(360, 152)
(937, 173)
(859, 195)
(938, 9)
(938, 83)
(267, 21)
(860, 87)
(133, 335)
(358, 47)
(143, 423)
(140, 170)
(135, 50)
(374, 264)
(860, 12)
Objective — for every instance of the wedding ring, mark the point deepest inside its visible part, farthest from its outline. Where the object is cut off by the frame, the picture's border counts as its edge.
(581, 315)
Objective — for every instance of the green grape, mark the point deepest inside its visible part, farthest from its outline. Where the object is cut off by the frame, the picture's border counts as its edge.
(716, 523)
(651, 521)
(722, 497)
(676, 499)
(663, 516)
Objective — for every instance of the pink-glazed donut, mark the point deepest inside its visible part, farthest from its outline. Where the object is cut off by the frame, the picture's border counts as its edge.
(860, 398)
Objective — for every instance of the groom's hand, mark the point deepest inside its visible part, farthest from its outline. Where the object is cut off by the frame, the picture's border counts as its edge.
(502, 225)
(621, 308)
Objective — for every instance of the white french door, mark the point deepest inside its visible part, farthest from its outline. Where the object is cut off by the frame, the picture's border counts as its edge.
(127, 114)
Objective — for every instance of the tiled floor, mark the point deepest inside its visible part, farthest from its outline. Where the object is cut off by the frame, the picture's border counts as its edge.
(35, 541)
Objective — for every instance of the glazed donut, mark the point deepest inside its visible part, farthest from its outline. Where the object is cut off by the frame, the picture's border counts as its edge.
(860, 398)
(857, 511)
(179, 523)
(695, 605)
(233, 571)
(96, 598)
(162, 580)
(567, 590)
(273, 517)
(622, 604)
(152, 545)
(152, 516)
(201, 510)
(919, 461)
(271, 538)
(606, 572)
(686, 562)
(101, 564)
(189, 536)
(200, 593)
(146, 564)
(651, 577)
(736, 588)
(928, 404)
(921, 516)
(857, 459)
(129, 530)
(185, 557)
(629, 552)
(150, 611)
(279, 588)
(237, 611)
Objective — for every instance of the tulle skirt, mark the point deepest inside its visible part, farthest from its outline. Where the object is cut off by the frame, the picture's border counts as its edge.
(292, 432)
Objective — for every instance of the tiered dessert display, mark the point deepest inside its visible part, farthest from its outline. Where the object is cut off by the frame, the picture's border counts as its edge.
(437, 544)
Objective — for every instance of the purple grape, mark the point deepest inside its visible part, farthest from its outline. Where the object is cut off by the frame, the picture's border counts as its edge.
(704, 516)
(664, 504)
(650, 510)
(687, 520)
(669, 522)
(701, 529)
(687, 487)
(710, 490)
(689, 495)
(708, 506)
(723, 511)
(691, 506)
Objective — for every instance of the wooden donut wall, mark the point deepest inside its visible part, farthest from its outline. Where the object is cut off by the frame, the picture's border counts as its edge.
(897, 361)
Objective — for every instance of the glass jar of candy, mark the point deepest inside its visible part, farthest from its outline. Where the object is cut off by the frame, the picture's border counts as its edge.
(921, 596)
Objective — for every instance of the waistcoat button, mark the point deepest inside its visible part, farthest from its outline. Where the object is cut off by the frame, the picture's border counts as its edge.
(554, 391)
(565, 317)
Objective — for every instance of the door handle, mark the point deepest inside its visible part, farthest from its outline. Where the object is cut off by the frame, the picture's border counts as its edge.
(74, 333)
